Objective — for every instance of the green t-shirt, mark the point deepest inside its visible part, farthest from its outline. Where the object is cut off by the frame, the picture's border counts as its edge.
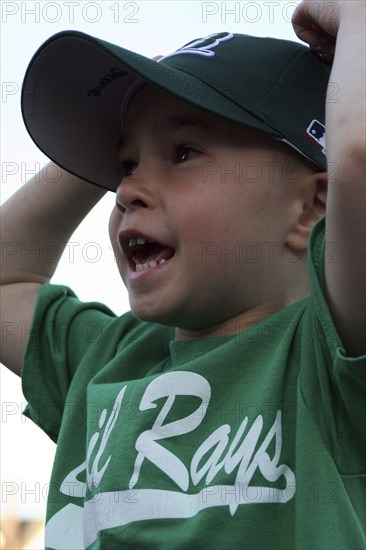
(255, 440)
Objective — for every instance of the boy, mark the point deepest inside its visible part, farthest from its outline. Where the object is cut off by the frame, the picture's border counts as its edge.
(227, 407)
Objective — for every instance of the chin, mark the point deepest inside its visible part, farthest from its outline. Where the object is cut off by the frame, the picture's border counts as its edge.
(170, 318)
(153, 315)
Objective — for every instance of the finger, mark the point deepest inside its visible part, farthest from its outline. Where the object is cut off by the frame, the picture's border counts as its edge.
(311, 33)
(302, 22)
(327, 58)
(305, 27)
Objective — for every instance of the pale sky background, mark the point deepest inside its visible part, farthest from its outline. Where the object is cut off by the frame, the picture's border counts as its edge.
(150, 28)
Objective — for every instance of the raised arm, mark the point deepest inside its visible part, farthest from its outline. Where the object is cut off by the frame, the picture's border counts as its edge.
(338, 29)
(46, 210)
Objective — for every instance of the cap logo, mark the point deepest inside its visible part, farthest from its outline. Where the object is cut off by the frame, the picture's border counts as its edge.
(202, 46)
(106, 80)
(316, 133)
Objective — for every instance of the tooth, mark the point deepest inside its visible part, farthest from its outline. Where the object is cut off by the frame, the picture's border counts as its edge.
(132, 242)
(149, 265)
(141, 241)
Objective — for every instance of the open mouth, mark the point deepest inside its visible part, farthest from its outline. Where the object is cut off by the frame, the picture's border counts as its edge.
(143, 253)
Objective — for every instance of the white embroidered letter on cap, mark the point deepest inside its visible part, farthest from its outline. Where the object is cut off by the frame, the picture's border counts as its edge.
(197, 48)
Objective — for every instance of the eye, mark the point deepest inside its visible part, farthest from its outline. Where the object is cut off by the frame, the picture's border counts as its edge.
(184, 153)
(127, 168)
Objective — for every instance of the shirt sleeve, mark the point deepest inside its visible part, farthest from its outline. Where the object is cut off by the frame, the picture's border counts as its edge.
(62, 332)
(342, 378)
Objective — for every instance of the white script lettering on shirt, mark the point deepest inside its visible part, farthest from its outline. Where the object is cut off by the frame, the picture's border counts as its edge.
(241, 453)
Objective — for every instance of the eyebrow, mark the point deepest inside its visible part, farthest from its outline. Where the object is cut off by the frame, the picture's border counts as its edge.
(174, 123)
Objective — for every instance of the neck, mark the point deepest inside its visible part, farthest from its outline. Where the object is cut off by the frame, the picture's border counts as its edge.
(242, 321)
(228, 327)
(286, 289)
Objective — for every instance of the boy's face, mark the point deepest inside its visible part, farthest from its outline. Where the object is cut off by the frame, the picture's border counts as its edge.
(208, 192)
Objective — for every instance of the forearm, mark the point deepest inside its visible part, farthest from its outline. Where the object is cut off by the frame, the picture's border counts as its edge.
(345, 108)
(40, 216)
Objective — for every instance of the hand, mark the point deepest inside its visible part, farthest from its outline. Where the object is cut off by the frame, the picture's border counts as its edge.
(316, 22)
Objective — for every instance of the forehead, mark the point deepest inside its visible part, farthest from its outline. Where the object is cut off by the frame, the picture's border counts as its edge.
(156, 110)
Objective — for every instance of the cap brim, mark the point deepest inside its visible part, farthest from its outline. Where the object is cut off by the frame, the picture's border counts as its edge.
(72, 95)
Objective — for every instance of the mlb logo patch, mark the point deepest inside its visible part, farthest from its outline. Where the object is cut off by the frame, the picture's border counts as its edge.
(316, 134)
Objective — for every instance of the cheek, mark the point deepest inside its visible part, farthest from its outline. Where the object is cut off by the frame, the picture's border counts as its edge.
(205, 228)
(113, 229)
(114, 221)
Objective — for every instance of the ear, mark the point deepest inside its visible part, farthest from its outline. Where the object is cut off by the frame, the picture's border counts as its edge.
(310, 209)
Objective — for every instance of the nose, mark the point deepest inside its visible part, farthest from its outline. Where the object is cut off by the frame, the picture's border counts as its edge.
(136, 192)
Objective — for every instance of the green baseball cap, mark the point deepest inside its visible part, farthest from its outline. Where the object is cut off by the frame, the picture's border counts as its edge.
(77, 87)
